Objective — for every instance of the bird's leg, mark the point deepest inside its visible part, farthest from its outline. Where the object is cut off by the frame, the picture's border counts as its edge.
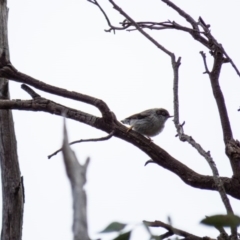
(129, 129)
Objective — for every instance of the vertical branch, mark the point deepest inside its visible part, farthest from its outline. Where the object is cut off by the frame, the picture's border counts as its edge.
(12, 186)
(77, 176)
(232, 147)
(190, 140)
(175, 66)
(217, 92)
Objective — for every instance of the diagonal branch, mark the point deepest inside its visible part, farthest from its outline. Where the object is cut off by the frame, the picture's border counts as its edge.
(85, 140)
(183, 14)
(158, 45)
(10, 72)
(212, 42)
(112, 28)
(172, 230)
(157, 154)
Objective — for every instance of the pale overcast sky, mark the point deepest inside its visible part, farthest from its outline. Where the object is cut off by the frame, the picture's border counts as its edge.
(63, 43)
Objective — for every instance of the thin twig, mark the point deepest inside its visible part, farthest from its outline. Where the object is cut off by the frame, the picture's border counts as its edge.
(231, 61)
(214, 41)
(205, 62)
(158, 45)
(85, 140)
(172, 229)
(112, 28)
(149, 161)
(30, 91)
(183, 14)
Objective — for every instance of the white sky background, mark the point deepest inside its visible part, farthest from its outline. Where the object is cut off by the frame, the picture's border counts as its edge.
(63, 43)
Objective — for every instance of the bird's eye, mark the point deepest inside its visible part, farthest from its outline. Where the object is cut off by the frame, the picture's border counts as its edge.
(164, 113)
(161, 112)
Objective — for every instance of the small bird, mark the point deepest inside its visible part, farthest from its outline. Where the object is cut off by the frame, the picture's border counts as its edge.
(149, 123)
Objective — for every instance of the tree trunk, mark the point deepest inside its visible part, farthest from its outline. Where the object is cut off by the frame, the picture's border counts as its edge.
(12, 184)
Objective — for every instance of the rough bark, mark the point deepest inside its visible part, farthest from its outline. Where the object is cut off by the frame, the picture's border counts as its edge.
(12, 184)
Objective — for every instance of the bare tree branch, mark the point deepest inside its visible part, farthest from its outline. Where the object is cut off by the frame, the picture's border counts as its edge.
(157, 154)
(205, 62)
(10, 72)
(197, 146)
(217, 52)
(112, 28)
(213, 44)
(30, 91)
(85, 140)
(217, 92)
(158, 45)
(183, 14)
(172, 230)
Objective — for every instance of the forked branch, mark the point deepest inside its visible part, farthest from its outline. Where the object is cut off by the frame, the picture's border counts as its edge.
(8, 71)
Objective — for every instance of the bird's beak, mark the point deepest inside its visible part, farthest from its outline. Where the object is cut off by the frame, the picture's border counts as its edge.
(170, 116)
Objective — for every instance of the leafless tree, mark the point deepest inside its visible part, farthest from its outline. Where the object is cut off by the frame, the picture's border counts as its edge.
(13, 195)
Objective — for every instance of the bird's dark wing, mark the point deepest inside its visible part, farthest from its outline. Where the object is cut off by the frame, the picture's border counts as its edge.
(141, 115)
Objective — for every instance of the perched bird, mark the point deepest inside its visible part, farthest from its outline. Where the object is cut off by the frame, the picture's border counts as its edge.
(149, 123)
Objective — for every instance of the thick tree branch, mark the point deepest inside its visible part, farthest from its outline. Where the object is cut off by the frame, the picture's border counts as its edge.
(156, 153)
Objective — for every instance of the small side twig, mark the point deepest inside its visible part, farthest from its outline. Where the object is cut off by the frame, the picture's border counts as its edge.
(214, 41)
(149, 161)
(85, 140)
(30, 91)
(205, 62)
(112, 28)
